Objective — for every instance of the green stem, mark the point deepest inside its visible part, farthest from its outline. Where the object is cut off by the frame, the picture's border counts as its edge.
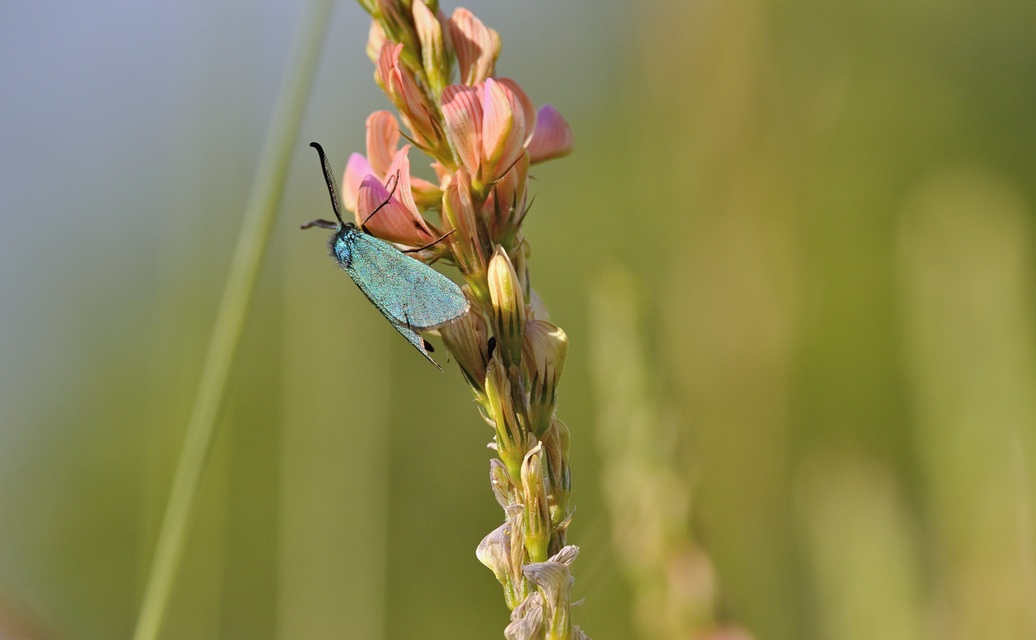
(257, 223)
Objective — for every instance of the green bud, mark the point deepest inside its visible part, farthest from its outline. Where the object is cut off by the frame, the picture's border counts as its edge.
(536, 514)
(505, 294)
(544, 350)
(510, 440)
(434, 56)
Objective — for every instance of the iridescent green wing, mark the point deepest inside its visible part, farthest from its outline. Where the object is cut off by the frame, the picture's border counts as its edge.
(413, 296)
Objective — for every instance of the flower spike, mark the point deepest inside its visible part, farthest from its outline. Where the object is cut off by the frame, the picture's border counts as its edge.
(483, 134)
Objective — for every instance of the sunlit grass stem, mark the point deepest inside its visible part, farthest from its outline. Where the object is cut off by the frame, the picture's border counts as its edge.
(253, 239)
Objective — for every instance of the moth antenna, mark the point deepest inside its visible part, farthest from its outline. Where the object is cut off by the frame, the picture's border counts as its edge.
(332, 185)
(432, 243)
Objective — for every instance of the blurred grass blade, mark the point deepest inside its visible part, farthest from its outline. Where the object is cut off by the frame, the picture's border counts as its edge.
(965, 257)
(260, 212)
(649, 493)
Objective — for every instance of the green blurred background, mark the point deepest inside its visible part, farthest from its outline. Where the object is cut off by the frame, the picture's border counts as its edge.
(826, 214)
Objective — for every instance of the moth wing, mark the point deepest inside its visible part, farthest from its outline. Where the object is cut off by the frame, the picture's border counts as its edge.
(407, 292)
(415, 339)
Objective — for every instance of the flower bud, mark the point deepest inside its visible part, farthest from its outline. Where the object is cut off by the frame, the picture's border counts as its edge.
(559, 479)
(434, 56)
(401, 87)
(543, 359)
(505, 294)
(477, 46)
(468, 239)
(536, 515)
(395, 19)
(510, 439)
(467, 338)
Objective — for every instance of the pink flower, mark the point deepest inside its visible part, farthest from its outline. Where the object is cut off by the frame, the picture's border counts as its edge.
(488, 126)
(398, 219)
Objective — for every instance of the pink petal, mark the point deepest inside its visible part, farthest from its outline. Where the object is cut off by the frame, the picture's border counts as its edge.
(382, 138)
(384, 68)
(355, 170)
(462, 114)
(401, 167)
(552, 138)
(503, 129)
(528, 108)
(477, 46)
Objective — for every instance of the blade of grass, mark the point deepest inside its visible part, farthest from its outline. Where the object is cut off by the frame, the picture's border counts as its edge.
(257, 223)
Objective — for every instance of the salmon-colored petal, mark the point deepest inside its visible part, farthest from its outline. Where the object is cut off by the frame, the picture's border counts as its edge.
(552, 137)
(401, 87)
(462, 114)
(477, 46)
(503, 130)
(401, 167)
(528, 108)
(382, 139)
(393, 221)
(384, 66)
(355, 171)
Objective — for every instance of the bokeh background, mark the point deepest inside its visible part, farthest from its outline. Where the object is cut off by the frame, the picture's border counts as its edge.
(793, 252)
